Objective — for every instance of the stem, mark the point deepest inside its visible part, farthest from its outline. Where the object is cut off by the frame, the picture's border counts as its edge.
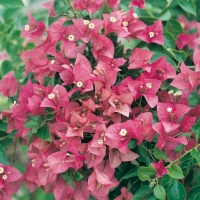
(13, 156)
(140, 104)
(3, 138)
(149, 153)
(72, 8)
(132, 185)
(168, 166)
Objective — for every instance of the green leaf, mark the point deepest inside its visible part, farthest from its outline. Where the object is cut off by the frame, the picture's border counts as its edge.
(144, 154)
(78, 176)
(66, 175)
(119, 51)
(132, 144)
(6, 67)
(166, 181)
(31, 124)
(68, 23)
(159, 192)
(130, 174)
(151, 197)
(44, 133)
(48, 81)
(175, 172)
(169, 40)
(165, 10)
(51, 20)
(3, 158)
(176, 191)
(196, 130)
(166, 16)
(178, 55)
(143, 12)
(61, 6)
(145, 173)
(143, 192)
(174, 27)
(12, 3)
(188, 6)
(31, 135)
(106, 9)
(179, 148)
(198, 177)
(189, 179)
(195, 154)
(194, 193)
(159, 154)
(186, 163)
(165, 84)
(71, 182)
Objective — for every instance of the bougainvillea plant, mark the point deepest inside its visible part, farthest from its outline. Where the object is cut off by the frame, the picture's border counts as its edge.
(110, 108)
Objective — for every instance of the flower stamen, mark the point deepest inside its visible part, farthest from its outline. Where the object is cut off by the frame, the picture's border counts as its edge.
(71, 37)
(151, 34)
(26, 27)
(123, 132)
(113, 19)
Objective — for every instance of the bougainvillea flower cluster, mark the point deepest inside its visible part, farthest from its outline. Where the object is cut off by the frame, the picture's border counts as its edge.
(89, 98)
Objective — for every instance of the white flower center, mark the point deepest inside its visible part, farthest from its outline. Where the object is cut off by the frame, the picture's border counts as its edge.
(4, 177)
(178, 93)
(149, 85)
(91, 25)
(113, 19)
(51, 96)
(86, 22)
(79, 84)
(26, 27)
(171, 92)
(169, 109)
(52, 62)
(123, 132)
(125, 23)
(71, 37)
(151, 34)
(100, 141)
(1, 170)
(135, 15)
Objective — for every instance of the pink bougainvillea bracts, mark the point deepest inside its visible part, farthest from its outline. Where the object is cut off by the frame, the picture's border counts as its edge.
(111, 107)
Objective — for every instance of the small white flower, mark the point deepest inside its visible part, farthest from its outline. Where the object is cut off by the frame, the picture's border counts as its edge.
(71, 37)
(86, 22)
(51, 96)
(149, 85)
(100, 141)
(135, 15)
(125, 23)
(113, 19)
(171, 92)
(151, 34)
(123, 132)
(1, 170)
(178, 93)
(26, 27)
(91, 25)
(4, 177)
(79, 84)
(169, 109)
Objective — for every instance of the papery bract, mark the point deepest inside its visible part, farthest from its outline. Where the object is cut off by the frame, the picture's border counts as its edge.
(153, 33)
(33, 29)
(160, 168)
(9, 85)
